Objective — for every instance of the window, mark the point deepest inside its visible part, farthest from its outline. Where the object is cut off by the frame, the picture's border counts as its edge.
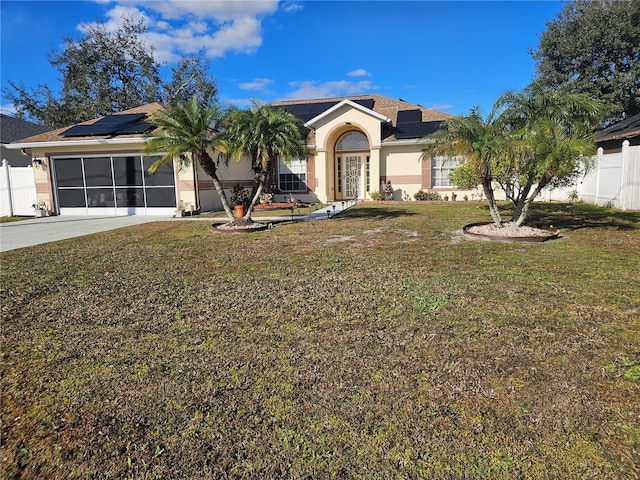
(441, 167)
(352, 141)
(292, 175)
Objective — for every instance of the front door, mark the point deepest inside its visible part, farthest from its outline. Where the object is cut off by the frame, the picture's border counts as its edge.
(352, 176)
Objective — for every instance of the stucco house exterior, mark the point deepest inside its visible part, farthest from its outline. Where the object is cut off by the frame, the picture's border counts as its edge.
(356, 143)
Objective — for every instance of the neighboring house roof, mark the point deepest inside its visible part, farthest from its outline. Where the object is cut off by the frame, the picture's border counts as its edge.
(408, 120)
(12, 129)
(58, 135)
(628, 128)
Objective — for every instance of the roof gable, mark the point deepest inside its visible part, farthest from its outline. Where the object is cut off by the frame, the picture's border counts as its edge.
(422, 123)
(347, 103)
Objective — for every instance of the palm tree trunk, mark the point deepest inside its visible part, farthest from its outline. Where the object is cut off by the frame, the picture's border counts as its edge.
(546, 178)
(209, 167)
(491, 199)
(262, 181)
(519, 205)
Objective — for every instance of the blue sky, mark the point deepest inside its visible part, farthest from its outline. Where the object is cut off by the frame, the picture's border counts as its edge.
(450, 56)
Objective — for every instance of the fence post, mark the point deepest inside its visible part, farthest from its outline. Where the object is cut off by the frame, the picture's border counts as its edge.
(5, 187)
(623, 173)
(597, 192)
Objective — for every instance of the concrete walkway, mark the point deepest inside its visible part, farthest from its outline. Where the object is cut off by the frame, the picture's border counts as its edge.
(36, 231)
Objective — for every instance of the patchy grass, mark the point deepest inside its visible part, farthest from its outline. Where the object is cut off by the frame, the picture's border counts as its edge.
(378, 344)
(14, 219)
(270, 212)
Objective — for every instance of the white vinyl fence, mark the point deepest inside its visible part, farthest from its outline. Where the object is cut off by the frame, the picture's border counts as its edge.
(17, 190)
(614, 181)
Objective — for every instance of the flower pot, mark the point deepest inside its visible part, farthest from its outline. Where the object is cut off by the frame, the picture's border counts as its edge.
(41, 213)
(240, 211)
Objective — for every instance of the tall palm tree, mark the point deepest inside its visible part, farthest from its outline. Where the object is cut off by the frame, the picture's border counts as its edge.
(558, 127)
(190, 132)
(264, 133)
(480, 144)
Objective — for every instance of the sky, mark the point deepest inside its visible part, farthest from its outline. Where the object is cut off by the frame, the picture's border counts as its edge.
(446, 55)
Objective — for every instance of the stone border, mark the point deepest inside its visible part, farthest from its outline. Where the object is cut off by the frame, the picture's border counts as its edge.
(555, 233)
(260, 228)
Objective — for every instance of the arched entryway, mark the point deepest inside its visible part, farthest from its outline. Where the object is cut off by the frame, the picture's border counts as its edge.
(352, 154)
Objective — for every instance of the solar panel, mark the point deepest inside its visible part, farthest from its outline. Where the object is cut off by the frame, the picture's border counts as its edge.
(118, 124)
(365, 102)
(410, 125)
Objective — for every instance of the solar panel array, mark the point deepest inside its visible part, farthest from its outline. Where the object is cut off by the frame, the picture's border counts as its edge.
(410, 125)
(118, 124)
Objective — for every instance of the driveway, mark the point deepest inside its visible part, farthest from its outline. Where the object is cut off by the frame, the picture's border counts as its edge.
(27, 233)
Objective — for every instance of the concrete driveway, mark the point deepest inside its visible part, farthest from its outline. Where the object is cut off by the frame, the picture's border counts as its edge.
(27, 233)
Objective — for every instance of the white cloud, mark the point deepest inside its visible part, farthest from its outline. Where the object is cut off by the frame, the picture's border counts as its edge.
(440, 106)
(242, 35)
(314, 89)
(259, 84)
(187, 26)
(291, 6)
(361, 72)
(219, 10)
(8, 109)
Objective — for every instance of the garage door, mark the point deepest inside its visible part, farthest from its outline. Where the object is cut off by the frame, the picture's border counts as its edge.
(113, 185)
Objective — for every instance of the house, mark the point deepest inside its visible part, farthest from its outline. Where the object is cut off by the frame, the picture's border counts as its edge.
(356, 143)
(12, 129)
(614, 180)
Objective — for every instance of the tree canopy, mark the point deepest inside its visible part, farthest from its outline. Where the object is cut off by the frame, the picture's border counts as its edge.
(593, 47)
(105, 72)
(190, 132)
(540, 139)
(264, 133)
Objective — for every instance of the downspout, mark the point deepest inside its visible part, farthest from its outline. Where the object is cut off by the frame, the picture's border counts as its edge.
(197, 188)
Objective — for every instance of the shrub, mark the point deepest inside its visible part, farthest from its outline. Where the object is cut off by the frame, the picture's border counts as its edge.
(240, 195)
(377, 196)
(422, 196)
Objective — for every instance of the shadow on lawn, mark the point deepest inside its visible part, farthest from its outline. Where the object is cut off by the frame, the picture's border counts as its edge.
(375, 212)
(582, 215)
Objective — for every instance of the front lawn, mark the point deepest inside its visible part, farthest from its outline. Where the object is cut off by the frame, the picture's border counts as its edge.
(378, 344)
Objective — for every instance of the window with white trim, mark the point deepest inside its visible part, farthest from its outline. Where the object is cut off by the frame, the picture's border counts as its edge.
(292, 175)
(441, 167)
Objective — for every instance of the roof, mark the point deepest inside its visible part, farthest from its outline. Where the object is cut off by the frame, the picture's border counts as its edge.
(408, 120)
(57, 134)
(12, 129)
(629, 127)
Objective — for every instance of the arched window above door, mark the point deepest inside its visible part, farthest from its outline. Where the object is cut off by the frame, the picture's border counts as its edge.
(352, 141)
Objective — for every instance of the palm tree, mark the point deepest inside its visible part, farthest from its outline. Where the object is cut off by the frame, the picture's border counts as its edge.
(264, 133)
(480, 144)
(558, 128)
(190, 133)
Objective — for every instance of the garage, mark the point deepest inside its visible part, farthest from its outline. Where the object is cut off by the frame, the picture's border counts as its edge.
(112, 185)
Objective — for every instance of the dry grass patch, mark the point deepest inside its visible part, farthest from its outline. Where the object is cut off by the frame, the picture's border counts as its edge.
(164, 351)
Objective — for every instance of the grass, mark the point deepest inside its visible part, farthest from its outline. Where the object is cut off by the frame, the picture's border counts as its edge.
(14, 219)
(378, 344)
(269, 212)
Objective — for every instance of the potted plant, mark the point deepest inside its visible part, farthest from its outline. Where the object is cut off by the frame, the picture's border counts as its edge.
(184, 209)
(240, 199)
(40, 207)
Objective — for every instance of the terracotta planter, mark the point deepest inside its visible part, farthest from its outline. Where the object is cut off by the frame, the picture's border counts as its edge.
(239, 211)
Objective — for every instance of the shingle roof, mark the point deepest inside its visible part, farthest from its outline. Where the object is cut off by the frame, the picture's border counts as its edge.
(629, 127)
(12, 129)
(55, 135)
(386, 106)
